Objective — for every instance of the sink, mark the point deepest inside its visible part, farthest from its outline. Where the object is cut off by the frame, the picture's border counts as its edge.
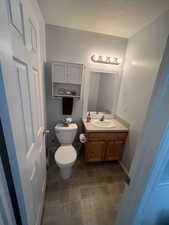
(103, 124)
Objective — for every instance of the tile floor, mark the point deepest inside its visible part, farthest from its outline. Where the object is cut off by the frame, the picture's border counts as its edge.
(90, 197)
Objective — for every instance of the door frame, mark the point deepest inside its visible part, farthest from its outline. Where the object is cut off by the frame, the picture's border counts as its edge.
(152, 152)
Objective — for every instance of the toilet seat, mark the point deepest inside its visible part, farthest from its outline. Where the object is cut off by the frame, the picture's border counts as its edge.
(65, 155)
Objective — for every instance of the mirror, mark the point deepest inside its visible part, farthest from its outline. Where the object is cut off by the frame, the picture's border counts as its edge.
(101, 92)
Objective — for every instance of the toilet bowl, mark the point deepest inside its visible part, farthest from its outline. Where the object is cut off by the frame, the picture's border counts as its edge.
(65, 155)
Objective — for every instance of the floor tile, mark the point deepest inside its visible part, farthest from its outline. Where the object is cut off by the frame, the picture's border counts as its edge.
(90, 197)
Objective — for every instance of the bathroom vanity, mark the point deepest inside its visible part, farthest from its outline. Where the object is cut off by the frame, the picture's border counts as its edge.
(105, 133)
(103, 143)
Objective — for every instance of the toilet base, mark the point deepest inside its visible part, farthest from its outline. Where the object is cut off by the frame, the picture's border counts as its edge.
(66, 172)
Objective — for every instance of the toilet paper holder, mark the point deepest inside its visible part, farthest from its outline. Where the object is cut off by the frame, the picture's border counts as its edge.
(82, 138)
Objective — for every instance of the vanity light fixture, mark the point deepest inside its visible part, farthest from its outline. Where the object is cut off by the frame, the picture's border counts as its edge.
(119, 60)
(106, 60)
(95, 57)
(112, 59)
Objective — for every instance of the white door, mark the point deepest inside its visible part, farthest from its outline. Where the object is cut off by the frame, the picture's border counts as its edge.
(145, 201)
(21, 65)
(74, 73)
(59, 73)
(6, 211)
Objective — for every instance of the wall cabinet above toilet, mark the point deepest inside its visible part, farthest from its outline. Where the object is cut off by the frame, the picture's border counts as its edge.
(70, 73)
(66, 79)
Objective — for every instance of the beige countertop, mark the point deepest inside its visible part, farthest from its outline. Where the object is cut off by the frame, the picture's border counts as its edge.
(119, 127)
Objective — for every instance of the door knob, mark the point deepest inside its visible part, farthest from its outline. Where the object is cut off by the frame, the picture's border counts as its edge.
(45, 131)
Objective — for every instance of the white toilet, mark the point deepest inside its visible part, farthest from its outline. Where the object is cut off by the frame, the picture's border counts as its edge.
(65, 155)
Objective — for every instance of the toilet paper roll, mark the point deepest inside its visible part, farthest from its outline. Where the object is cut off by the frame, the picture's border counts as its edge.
(82, 138)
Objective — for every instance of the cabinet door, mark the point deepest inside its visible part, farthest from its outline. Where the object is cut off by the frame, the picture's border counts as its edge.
(114, 150)
(74, 73)
(59, 73)
(94, 151)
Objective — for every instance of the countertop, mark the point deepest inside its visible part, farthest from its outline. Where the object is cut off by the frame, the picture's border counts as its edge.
(119, 127)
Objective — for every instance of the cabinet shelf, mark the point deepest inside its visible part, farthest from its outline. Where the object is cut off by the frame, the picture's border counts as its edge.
(69, 96)
(71, 83)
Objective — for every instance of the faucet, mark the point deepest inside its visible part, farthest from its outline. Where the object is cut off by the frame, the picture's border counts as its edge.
(67, 121)
(102, 118)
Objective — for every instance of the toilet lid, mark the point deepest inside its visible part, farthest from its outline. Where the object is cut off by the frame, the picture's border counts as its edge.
(65, 154)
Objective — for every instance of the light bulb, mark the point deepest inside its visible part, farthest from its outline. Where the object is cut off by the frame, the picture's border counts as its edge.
(119, 60)
(112, 59)
(95, 57)
(104, 58)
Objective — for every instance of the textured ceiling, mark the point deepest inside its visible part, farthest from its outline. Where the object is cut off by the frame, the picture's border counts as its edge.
(115, 17)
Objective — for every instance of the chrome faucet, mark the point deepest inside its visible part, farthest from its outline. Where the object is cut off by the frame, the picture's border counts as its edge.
(65, 123)
(102, 118)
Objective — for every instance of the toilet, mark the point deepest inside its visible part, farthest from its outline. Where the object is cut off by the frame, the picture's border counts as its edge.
(65, 155)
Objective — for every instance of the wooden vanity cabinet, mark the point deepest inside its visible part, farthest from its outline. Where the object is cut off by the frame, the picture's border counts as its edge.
(104, 146)
(94, 151)
(114, 150)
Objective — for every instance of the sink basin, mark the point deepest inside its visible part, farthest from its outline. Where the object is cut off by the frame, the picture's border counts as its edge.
(103, 124)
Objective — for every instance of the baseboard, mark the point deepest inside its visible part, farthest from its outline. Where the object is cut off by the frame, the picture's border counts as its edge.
(125, 171)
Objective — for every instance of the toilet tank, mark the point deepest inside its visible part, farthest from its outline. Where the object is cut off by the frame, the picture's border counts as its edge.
(66, 135)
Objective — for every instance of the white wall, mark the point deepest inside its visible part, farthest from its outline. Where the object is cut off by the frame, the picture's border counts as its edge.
(143, 57)
(64, 44)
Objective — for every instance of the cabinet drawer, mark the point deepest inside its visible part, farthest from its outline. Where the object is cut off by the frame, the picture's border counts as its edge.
(107, 136)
